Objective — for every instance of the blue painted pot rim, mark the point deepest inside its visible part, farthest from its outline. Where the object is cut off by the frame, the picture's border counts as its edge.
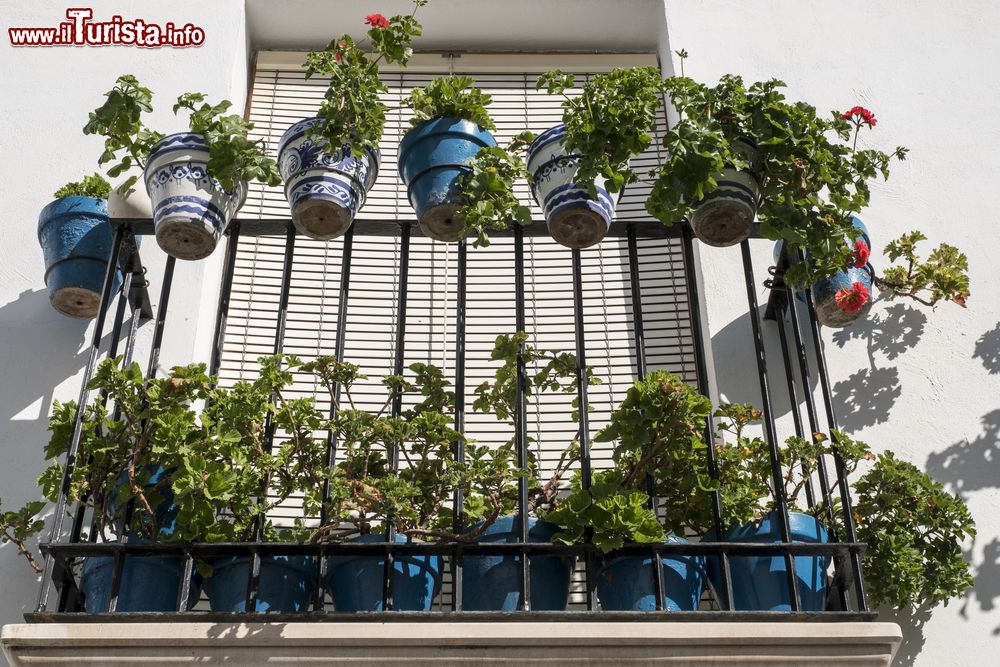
(510, 524)
(606, 560)
(426, 559)
(458, 127)
(179, 141)
(802, 528)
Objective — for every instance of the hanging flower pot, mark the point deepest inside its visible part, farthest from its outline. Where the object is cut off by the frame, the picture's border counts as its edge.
(355, 582)
(432, 158)
(76, 240)
(626, 583)
(493, 583)
(325, 191)
(190, 209)
(574, 218)
(286, 583)
(726, 214)
(760, 583)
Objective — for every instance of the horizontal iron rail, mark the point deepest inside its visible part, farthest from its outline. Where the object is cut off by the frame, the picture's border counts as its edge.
(75, 550)
(460, 616)
(645, 229)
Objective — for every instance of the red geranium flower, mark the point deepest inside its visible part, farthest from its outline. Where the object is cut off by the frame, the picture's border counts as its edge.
(861, 253)
(852, 300)
(339, 53)
(377, 20)
(860, 115)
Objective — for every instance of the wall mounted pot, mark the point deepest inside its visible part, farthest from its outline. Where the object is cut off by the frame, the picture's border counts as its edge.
(190, 209)
(824, 292)
(493, 583)
(286, 583)
(355, 582)
(324, 191)
(574, 218)
(76, 240)
(432, 157)
(726, 215)
(760, 583)
(148, 583)
(626, 583)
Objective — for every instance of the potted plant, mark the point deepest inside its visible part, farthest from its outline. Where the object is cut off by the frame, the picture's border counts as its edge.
(197, 180)
(911, 525)
(330, 161)
(493, 583)
(658, 431)
(228, 483)
(437, 157)
(76, 239)
(577, 167)
(123, 472)
(737, 151)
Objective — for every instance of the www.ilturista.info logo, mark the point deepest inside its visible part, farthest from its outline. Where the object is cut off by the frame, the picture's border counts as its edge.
(80, 30)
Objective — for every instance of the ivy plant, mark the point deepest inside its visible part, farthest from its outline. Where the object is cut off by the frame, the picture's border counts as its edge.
(95, 186)
(609, 123)
(352, 112)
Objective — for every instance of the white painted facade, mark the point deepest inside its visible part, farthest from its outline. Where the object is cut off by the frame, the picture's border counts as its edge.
(925, 384)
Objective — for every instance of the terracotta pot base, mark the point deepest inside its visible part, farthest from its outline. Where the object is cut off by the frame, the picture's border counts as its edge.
(442, 223)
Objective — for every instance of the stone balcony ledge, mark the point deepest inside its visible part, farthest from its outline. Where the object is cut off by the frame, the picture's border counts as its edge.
(705, 644)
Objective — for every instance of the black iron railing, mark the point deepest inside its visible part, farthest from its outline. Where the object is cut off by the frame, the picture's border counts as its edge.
(846, 600)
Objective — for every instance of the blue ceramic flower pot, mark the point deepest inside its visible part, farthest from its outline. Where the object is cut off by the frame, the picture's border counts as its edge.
(355, 582)
(760, 583)
(165, 511)
(286, 583)
(493, 583)
(626, 583)
(76, 239)
(574, 218)
(828, 311)
(432, 157)
(148, 583)
(324, 191)
(725, 216)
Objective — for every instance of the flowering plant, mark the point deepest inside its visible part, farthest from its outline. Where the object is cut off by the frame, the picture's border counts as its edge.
(810, 180)
(352, 112)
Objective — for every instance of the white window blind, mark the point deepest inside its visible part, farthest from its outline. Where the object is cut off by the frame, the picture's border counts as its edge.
(281, 96)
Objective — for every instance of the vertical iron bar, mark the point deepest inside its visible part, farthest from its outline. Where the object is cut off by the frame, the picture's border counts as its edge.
(59, 513)
(521, 419)
(331, 441)
(850, 534)
(397, 408)
(154, 359)
(269, 427)
(225, 293)
(824, 485)
(701, 367)
(793, 403)
(458, 449)
(639, 341)
(586, 473)
(770, 432)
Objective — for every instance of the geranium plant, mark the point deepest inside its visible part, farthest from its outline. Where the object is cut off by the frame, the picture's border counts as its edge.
(20, 525)
(95, 186)
(233, 157)
(352, 112)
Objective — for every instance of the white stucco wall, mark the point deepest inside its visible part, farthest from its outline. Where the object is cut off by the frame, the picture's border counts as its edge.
(46, 95)
(925, 384)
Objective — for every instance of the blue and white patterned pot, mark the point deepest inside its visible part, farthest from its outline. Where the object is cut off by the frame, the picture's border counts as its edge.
(324, 191)
(725, 216)
(575, 219)
(76, 239)
(190, 209)
(432, 158)
(824, 292)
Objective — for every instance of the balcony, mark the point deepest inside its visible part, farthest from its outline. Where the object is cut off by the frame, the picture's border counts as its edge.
(716, 629)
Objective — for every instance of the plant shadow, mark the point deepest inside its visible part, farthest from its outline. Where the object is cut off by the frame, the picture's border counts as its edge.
(866, 397)
(988, 350)
(891, 331)
(911, 622)
(970, 465)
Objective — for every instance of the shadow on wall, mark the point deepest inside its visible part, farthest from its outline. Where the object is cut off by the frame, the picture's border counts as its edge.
(892, 331)
(988, 350)
(736, 371)
(911, 622)
(41, 349)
